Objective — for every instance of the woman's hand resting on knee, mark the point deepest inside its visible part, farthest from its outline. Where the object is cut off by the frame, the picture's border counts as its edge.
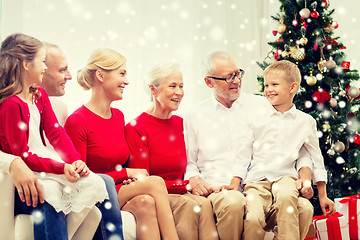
(135, 174)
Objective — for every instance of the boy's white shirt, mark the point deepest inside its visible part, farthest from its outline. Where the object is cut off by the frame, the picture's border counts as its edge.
(274, 145)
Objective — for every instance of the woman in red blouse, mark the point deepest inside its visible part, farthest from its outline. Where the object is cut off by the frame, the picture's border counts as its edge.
(157, 144)
(97, 131)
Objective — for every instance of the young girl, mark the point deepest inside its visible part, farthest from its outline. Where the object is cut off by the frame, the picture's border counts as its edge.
(97, 131)
(25, 114)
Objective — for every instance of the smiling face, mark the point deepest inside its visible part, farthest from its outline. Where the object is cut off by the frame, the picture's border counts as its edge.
(57, 73)
(169, 93)
(114, 82)
(36, 68)
(279, 91)
(225, 93)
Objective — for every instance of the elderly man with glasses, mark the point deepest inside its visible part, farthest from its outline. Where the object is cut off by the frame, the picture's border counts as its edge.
(212, 129)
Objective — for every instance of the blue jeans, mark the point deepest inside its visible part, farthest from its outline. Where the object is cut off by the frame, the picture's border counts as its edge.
(111, 223)
(48, 224)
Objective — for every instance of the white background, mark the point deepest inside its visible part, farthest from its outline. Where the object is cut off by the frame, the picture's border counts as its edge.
(147, 31)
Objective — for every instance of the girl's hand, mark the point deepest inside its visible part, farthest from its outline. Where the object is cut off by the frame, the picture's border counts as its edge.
(70, 173)
(129, 180)
(81, 168)
(136, 173)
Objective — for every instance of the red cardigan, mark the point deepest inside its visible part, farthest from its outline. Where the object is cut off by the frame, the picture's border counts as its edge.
(14, 133)
(158, 146)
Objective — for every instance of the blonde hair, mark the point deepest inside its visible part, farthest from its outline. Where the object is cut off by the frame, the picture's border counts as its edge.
(288, 70)
(159, 72)
(101, 59)
(14, 50)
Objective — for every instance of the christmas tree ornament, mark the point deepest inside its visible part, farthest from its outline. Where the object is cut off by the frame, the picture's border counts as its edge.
(345, 65)
(335, 24)
(305, 13)
(331, 152)
(321, 96)
(353, 92)
(281, 27)
(303, 41)
(274, 33)
(357, 139)
(294, 22)
(333, 102)
(339, 147)
(326, 126)
(329, 28)
(350, 116)
(327, 41)
(311, 80)
(297, 53)
(285, 54)
(314, 14)
(321, 64)
(330, 64)
(324, 3)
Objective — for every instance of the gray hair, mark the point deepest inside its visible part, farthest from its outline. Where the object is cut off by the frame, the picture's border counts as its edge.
(159, 72)
(208, 64)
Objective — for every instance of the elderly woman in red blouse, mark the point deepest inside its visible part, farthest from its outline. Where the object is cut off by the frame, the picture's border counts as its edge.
(156, 143)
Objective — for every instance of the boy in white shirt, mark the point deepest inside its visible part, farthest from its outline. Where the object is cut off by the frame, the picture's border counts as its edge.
(267, 158)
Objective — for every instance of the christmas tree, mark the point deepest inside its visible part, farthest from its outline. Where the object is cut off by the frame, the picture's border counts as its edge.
(305, 36)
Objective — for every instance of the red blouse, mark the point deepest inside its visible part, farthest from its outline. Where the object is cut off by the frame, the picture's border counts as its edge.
(14, 133)
(101, 142)
(158, 146)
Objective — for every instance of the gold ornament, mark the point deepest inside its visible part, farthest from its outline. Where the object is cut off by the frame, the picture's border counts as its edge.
(285, 54)
(330, 64)
(305, 13)
(297, 53)
(329, 28)
(354, 92)
(326, 127)
(311, 80)
(333, 102)
(281, 28)
(321, 64)
(339, 147)
(303, 41)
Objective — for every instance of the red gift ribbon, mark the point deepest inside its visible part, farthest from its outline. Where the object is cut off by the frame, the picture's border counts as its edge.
(332, 224)
(353, 221)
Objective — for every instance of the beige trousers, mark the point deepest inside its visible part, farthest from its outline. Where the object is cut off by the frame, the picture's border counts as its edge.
(193, 217)
(229, 208)
(276, 200)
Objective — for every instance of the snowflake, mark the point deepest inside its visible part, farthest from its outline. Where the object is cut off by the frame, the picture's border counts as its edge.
(118, 167)
(108, 205)
(110, 226)
(290, 209)
(38, 217)
(197, 209)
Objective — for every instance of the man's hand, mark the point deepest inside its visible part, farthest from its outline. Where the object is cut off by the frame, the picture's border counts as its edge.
(202, 189)
(27, 185)
(234, 185)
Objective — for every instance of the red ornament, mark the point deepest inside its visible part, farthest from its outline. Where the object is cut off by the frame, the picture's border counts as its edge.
(316, 46)
(345, 65)
(314, 14)
(335, 24)
(274, 32)
(294, 22)
(321, 96)
(280, 40)
(303, 23)
(325, 2)
(357, 139)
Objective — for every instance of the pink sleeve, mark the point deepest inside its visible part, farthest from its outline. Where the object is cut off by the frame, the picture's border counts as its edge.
(56, 133)
(16, 134)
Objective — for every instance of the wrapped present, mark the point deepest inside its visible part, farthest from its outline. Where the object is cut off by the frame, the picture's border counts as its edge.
(350, 207)
(331, 227)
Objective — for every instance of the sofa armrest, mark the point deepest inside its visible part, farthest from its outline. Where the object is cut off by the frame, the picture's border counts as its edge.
(6, 207)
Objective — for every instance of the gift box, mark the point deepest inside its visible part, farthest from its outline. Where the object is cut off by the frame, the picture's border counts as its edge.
(331, 227)
(350, 207)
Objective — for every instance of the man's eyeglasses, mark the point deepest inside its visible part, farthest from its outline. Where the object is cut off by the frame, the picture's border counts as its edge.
(229, 79)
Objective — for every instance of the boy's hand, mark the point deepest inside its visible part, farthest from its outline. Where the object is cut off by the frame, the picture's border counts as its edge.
(325, 203)
(70, 173)
(226, 187)
(81, 168)
(304, 187)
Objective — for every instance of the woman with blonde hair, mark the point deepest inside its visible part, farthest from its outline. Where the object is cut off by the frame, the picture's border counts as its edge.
(97, 131)
(156, 143)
